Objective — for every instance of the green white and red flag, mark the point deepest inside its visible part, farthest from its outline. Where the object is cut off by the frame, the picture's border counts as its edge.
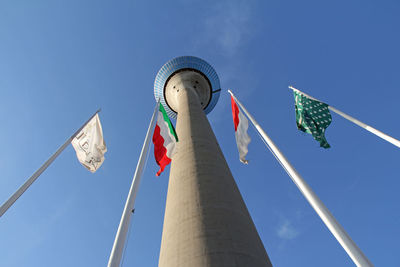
(164, 140)
(241, 126)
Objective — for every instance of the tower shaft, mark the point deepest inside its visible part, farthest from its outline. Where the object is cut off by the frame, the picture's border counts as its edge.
(206, 220)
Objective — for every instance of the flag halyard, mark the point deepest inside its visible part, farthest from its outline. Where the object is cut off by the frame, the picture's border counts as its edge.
(312, 117)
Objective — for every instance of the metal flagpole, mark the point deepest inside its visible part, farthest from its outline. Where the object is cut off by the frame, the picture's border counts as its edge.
(336, 229)
(120, 237)
(354, 120)
(33, 178)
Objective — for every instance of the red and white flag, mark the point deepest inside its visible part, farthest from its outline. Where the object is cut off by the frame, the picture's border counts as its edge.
(241, 125)
(164, 140)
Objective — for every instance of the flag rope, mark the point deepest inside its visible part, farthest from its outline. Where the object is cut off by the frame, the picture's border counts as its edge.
(130, 225)
(126, 245)
(273, 153)
(120, 238)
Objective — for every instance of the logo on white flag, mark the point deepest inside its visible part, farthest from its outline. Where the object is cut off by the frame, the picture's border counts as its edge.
(89, 145)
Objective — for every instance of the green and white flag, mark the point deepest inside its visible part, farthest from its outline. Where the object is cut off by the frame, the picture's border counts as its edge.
(312, 117)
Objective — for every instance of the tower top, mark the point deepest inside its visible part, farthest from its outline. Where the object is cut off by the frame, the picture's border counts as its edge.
(189, 70)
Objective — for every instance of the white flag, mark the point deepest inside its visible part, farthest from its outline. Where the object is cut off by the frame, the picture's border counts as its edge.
(89, 145)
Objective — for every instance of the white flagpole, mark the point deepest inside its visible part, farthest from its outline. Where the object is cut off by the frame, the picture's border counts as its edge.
(336, 229)
(120, 237)
(355, 121)
(33, 178)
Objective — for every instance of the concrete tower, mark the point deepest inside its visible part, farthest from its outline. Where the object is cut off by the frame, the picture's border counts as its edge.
(206, 222)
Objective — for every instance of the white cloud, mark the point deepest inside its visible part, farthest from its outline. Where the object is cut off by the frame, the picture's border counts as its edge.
(287, 231)
(227, 26)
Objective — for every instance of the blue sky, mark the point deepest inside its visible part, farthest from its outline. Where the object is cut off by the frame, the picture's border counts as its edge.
(62, 60)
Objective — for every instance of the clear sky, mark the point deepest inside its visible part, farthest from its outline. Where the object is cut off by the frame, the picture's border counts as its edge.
(62, 60)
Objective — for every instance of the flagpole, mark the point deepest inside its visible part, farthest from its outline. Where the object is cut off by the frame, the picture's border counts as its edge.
(6, 205)
(120, 237)
(336, 229)
(355, 121)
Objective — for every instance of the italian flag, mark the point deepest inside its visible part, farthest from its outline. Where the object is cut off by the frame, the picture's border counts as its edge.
(164, 140)
(241, 125)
